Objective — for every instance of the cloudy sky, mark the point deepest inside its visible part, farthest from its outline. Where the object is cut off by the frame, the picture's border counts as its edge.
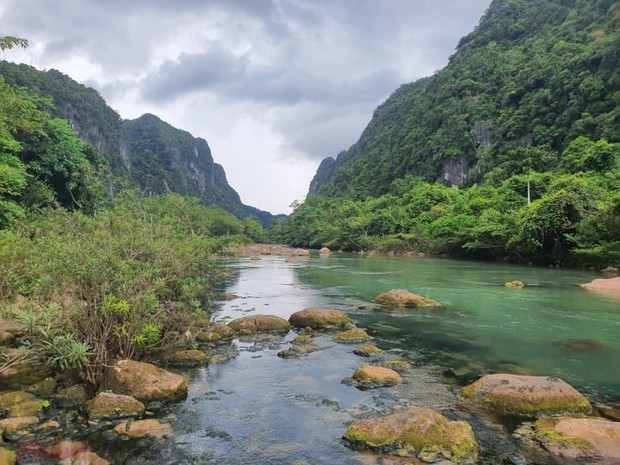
(274, 86)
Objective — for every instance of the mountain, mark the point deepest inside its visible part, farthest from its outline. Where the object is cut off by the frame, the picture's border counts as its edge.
(146, 152)
(531, 78)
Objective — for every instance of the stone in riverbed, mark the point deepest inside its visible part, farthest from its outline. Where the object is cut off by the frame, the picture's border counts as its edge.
(188, 358)
(320, 318)
(259, 324)
(371, 376)
(7, 457)
(144, 381)
(580, 438)
(352, 336)
(514, 284)
(11, 398)
(609, 287)
(14, 425)
(30, 408)
(142, 428)
(417, 432)
(366, 350)
(72, 396)
(109, 406)
(526, 395)
(403, 298)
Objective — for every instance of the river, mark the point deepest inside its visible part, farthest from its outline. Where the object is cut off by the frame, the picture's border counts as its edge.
(258, 408)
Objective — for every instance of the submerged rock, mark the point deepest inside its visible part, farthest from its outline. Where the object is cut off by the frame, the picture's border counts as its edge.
(371, 376)
(366, 350)
(352, 336)
(583, 344)
(526, 395)
(417, 432)
(259, 324)
(403, 298)
(580, 438)
(109, 406)
(320, 318)
(142, 428)
(144, 381)
(514, 284)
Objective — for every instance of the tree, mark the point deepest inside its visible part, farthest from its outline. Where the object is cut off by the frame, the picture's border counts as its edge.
(9, 42)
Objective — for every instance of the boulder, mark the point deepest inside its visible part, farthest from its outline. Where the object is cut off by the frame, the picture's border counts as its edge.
(609, 287)
(352, 336)
(75, 452)
(403, 298)
(144, 381)
(43, 388)
(580, 438)
(188, 358)
(29, 408)
(366, 350)
(320, 318)
(301, 253)
(371, 376)
(417, 432)
(105, 406)
(259, 324)
(526, 395)
(14, 425)
(11, 398)
(325, 251)
(7, 457)
(142, 428)
(72, 396)
(214, 333)
(301, 345)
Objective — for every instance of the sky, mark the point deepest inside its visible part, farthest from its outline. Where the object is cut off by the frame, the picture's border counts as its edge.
(274, 86)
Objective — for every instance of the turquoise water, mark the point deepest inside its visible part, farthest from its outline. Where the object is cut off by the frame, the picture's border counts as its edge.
(258, 408)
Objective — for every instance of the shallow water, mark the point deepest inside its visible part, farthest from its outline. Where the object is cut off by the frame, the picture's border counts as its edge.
(261, 409)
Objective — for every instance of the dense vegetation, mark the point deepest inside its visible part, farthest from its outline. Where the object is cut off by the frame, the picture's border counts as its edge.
(530, 100)
(94, 276)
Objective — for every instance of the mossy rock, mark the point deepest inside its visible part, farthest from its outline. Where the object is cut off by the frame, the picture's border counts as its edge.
(11, 398)
(514, 284)
(371, 376)
(142, 428)
(7, 457)
(420, 433)
(72, 396)
(320, 318)
(188, 358)
(259, 324)
(43, 388)
(13, 426)
(526, 395)
(399, 366)
(579, 438)
(107, 406)
(366, 350)
(352, 336)
(30, 408)
(403, 298)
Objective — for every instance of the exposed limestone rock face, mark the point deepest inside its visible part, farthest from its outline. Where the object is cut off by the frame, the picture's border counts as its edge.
(580, 438)
(526, 395)
(320, 318)
(259, 324)
(352, 336)
(403, 298)
(371, 376)
(144, 381)
(109, 406)
(420, 433)
(142, 428)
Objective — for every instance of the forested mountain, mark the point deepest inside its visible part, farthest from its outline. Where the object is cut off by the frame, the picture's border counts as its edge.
(148, 153)
(531, 78)
(512, 151)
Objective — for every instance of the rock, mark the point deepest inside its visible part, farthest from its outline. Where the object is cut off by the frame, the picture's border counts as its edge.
(217, 331)
(371, 376)
(7, 457)
(72, 397)
(14, 425)
(320, 318)
(609, 287)
(610, 411)
(107, 406)
(355, 335)
(188, 358)
(366, 350)
(44, 388)
(610, 270)
(526, 395)
(298, 350)
(399, 366)
(301, 253)
(141, 428)
(324, 251)
(144, 381)
(11, 398)
(75, 452)
(403, 298)
(514, 284)
(583, 344)
(259, 324)
(417, 432)
(30, 408)
(581, 438)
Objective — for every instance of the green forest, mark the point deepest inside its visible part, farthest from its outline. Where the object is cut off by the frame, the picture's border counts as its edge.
(509, 152)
